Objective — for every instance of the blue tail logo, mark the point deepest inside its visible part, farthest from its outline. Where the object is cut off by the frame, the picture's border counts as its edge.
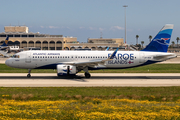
(5, 42)
(161, 41)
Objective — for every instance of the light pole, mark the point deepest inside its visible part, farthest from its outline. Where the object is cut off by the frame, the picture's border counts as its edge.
(125, 21)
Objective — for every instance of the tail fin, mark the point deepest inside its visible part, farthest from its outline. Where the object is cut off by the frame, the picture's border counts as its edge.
(161, 41)
(5, 42)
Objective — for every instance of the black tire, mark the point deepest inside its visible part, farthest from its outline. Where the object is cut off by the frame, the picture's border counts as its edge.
(28, 75)
(87, 75)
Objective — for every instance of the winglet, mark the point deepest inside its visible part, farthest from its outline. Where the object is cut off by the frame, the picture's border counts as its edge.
(107, 49)
(113, 54)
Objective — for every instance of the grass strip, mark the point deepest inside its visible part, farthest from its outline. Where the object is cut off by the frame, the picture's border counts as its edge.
(67, 93)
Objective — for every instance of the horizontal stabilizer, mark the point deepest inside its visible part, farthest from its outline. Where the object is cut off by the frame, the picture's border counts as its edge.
(164, 57)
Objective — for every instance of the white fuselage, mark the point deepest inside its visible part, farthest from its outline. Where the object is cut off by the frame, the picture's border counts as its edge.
(50, 59)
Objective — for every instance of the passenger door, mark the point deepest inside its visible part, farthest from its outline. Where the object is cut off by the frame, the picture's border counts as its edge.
(28, 57)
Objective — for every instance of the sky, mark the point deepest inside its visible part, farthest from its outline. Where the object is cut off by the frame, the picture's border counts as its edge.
(92, 18)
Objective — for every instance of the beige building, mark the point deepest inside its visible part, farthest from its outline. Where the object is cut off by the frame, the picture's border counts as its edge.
(95, 44)
(20, 36)
(119, 41)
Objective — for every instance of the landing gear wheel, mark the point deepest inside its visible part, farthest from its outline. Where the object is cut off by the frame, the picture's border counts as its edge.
(28, 75)
(87, 75)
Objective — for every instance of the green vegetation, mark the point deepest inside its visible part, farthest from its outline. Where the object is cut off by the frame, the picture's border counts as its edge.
(153, 68)
(67, 93)
(92, 102)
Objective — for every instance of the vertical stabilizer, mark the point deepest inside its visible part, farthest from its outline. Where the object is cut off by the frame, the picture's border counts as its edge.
(5, 42)
(161, 41)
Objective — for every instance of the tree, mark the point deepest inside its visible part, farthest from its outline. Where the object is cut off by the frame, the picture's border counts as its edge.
(150, 37)
(173, 43)
(142, 42)
(177, 41)
(137, 36)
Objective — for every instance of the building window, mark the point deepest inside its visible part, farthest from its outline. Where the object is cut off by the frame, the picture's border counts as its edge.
(24, 35)
(2, 35)
(31, 35)
(10, 35)
(17, 36)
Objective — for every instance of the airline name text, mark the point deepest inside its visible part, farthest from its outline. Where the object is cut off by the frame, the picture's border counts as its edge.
(121, 58)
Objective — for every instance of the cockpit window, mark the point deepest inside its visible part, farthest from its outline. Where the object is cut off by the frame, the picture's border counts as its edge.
(15, 56)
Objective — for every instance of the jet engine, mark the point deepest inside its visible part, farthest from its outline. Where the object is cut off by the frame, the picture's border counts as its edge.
(66, 70)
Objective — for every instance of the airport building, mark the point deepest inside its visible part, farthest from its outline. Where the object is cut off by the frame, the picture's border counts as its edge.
(20, 36)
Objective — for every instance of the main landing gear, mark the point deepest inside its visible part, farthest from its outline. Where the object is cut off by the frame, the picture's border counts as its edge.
(87, 74)
(29, 73)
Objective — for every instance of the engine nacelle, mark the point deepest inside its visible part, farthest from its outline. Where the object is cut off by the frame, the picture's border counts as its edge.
(66, 70)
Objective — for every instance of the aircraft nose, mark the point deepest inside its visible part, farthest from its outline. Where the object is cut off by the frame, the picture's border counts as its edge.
(7, 62)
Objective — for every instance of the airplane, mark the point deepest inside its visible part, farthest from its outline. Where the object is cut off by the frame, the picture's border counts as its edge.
(3, 47)
(70, 63)
(5, 44)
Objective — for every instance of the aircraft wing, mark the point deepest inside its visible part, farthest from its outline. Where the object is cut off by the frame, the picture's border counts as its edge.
(2, 53)
(92, 62)
(3, 48)
(87, 63)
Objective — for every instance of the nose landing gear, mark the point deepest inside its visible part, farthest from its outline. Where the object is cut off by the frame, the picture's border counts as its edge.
(29, 73)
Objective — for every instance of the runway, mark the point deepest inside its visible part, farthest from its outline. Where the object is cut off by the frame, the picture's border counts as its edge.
(97, 79)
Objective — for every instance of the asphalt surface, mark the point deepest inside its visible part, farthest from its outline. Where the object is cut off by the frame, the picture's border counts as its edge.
(97, 79)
